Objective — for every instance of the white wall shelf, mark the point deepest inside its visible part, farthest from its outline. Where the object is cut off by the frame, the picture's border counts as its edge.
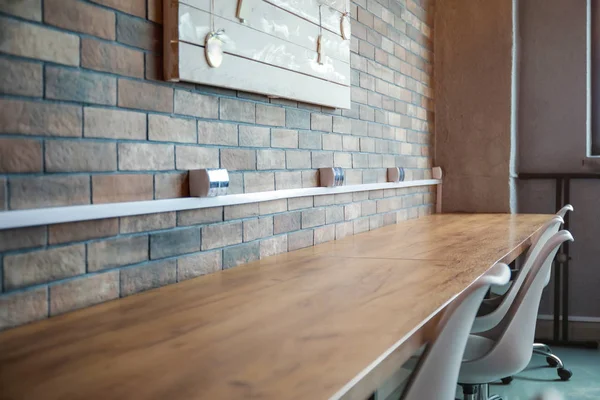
(59, 215)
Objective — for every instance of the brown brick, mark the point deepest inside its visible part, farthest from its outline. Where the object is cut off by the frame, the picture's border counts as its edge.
(117, 252)
(21, 78)
(23, 307)
(135, 7)
(175, 242)
(118, 188)
(106, 57)
(170, 186)
(146, 96)
(238, 159)
(199, 216)
(22, 270)
(300, 240)
(22, 238)
(80, 17)
(20, 155)
(83, 292)
(146, 157)
(241, 211)
(259, 182)
(154, 66)
(149, 222)
(49, 191)
(241, 254)
(80, 156)
(28, 9)
(217, 133)
(196, 105)
(237, 110)
(139, 33)
(155, 11)
(258, 228)
(82, 230)
(35, 118)
(114, 124)
(150, 276)
(199, 264)
(221, 235)
(194, 157)
(324, 234)
(170, 129)
(272, 246)
(33, 41)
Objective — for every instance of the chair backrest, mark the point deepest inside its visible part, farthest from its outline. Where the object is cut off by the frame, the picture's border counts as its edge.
(488, 321)
(514, 335)
(436, 375)
(563, 211)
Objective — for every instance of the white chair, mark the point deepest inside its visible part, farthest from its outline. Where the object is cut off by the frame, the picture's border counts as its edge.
(437, 372)
(506, 349)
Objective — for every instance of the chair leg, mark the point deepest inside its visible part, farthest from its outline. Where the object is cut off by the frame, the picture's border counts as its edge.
(542, 346)
(484, 393)
(551, 359)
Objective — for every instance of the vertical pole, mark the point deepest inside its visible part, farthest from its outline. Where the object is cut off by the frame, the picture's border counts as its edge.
(565, 270)
(557, 270)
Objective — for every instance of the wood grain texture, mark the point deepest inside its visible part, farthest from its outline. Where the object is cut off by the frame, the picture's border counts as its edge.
(301, 325)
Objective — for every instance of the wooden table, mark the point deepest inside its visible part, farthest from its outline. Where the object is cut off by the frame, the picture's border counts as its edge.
(332, 321)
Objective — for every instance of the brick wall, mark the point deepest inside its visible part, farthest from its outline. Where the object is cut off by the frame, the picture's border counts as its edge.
(85, 119)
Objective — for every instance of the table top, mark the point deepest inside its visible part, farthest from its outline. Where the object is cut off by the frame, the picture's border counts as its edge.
(331, 321)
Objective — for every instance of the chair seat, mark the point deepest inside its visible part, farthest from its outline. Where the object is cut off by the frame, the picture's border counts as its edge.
(477, 346)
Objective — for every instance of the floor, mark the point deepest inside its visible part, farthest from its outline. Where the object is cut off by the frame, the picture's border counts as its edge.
(584, 385)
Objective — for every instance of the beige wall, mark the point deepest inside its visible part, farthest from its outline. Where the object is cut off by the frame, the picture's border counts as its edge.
(473, 64)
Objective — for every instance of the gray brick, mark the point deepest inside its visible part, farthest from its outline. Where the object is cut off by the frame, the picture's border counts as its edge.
(375, 221)
(258, 228)
(360, 161)
(350, 143)
(367, 145)
(254, 136)
(173, 243)
(259, 182)
(342, 198)
(298, 203)
(360, 225)
(117, 252)
(352, 211)
(320, 122)
(241, 211)
(49, 191)
(297, 119)
(368, 208)
(149, 222)
(270, 159)
(196, 105)
(334, 214)
(298, 159)
(221, 235)
(321, 159)
(20, 77)
(300, 240)
(285, 138)
(149, 276)
(343, 160)
(238, 159)
(146, 157)
(217, 133)
(22, 238)
(270, 115)
(313, 217)
(332, 142)
(139, 33)
(273, 246)
(22, 270)
(236, 110)
(324, 200)
(344, 229)
(199, 216)
(309, 140)
(194, 157)
(310, 178)
(342, 125)
(241, 254)
(28, 9)
(75, 85)
(198, 264)
(286, 222)
(324, 234)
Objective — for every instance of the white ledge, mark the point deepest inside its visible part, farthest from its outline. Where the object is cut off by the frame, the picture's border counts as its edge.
(59, 215)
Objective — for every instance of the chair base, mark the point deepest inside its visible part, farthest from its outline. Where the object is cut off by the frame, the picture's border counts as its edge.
(563, 373)
(478, 392)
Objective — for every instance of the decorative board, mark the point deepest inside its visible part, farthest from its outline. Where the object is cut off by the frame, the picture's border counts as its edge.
(295, 49)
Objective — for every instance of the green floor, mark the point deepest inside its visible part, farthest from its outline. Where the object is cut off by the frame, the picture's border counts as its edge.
(584, 385)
